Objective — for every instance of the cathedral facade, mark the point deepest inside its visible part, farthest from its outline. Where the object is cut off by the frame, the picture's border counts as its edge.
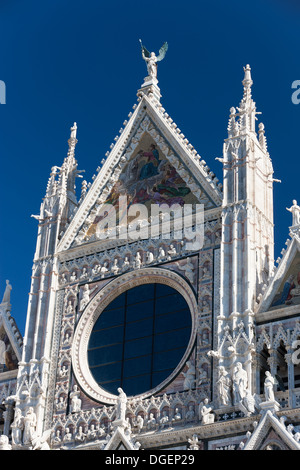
(157, 317)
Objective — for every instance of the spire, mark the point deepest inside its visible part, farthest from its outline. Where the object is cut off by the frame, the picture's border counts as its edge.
(72, 140)
(247, 110)
(247, 83)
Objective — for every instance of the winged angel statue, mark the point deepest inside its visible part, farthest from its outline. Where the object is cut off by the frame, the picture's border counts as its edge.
(151, 59)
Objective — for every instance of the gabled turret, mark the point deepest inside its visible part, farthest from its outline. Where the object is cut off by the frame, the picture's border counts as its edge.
(247, 257)
(59, 203)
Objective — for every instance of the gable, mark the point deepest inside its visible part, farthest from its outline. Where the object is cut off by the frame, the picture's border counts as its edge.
(10, 342)
(271, 434)
(8, 357)
(288, 292)
(284, 288)
(149, 163)
(148, 178)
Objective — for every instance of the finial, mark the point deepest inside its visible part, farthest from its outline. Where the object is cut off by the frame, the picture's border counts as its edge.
(72, 140)
(74, 131)
(262, 137)
(6, 296)
(247, 78)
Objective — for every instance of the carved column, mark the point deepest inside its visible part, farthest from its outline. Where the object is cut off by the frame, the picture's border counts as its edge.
(291, 376)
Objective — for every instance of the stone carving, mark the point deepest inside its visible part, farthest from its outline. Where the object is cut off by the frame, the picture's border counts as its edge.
(75, 400)
(17, 427)
(240, 383)
(29, 427)
(171, 252)
(151, 423)
(188, 269)
(4, 443)
(115, 268)
(151, 59)
(6, 296)
(205, 412)
(164, 420)
(177, 415)
(87, 292)
(139, 423)
(295, 210)
(224, 384)
(121, 405)
(194, 443)
(189, 376)
(269, 387)
(190, 414)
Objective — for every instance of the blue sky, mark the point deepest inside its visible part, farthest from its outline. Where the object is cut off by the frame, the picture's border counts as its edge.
(72, 60)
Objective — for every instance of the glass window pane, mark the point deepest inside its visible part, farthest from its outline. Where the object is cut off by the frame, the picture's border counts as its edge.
(107, 373)
(106, 337)
(136, 294)
(137, 366)
(158, 377)
(171, 340)
(139, 311)
(163, 290)
(110, 318)
(104, 355)
(138, 347)
(111, 387)
(136, 385)
(167, 322)
(170, 304)
(168, 359)
(118, 302)
(139, 329)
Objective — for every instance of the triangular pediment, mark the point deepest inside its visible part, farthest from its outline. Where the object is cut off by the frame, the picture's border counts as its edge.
(10, 342)
(284, 288)
(120, 440)
(150, 163)
(271, 434)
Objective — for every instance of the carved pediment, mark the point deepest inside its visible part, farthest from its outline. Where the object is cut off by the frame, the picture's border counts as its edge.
(150, 164)
(284, 288)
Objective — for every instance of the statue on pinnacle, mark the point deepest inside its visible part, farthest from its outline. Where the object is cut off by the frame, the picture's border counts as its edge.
(151, 59)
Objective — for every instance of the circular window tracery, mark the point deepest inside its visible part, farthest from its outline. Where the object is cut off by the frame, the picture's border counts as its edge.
(104, 301)
(139, 339)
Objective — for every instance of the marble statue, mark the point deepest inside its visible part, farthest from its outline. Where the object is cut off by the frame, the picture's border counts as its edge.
(75, 400)
(194, 442)
(205, 412)
(269, 386)
(139, 423)
(188, 269)
(29, 427)
(87, 292)
(240, 383)
(4, 443)
(164, 420)
(149, 257)
(125, 264)
(151, 59)
(224, 386)
(189, 376)
(17, 428)
(121, 405)
(115, 268)
(295, 210)
(190, 414)
(151, 423)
